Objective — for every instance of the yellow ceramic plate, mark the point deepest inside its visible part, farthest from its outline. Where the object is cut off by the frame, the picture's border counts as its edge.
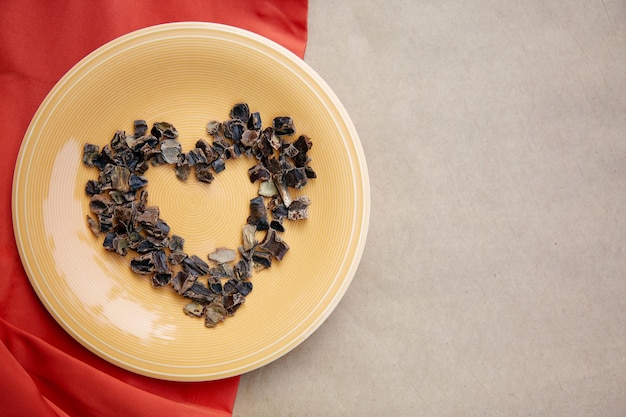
(187, 74)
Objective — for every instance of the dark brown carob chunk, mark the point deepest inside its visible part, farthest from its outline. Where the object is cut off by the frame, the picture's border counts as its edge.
(204, 174)
(161, 278)
(143, 264)
(164, 130)
(182, 168)
(274, 245)
(90, 154)
(177, 243)
(241, 112)
(258, 214)
(200, 293)
(259, 173)
(284, 126)
(196, 266)
(299, 209)
(233, 129)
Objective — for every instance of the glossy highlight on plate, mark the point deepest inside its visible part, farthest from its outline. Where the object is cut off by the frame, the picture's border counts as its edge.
(187, 73)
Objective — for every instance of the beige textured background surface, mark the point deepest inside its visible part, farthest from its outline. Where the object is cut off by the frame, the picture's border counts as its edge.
(493, 282)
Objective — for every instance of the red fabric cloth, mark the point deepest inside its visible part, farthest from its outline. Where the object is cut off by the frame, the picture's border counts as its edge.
(44, 372)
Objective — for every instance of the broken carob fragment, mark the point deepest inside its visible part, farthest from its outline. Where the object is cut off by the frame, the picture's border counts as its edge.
(299, 208)
(194, 309)
(215, 313)
(258, 214)
(143, 264)
(223, 255)
(259, 173)
(241, 112)
(200, 293)
(274, 245)
(284, 126)
(90, 154)
(165, 130)
(196, 266)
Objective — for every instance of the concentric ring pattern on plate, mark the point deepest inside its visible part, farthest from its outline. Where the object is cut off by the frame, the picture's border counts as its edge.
(187, 74)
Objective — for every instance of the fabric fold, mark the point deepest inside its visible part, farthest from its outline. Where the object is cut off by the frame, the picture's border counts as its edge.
(87, 391)
(20, 394)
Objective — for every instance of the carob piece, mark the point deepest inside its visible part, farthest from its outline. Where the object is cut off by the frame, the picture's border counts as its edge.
(284, 125)
(258, 214)
(274, 245)
(240, 111)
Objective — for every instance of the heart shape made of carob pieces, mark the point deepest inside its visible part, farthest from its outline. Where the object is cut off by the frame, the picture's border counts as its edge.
(121, 214)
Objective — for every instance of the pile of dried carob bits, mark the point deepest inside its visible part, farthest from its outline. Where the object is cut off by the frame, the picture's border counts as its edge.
(120, 210)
